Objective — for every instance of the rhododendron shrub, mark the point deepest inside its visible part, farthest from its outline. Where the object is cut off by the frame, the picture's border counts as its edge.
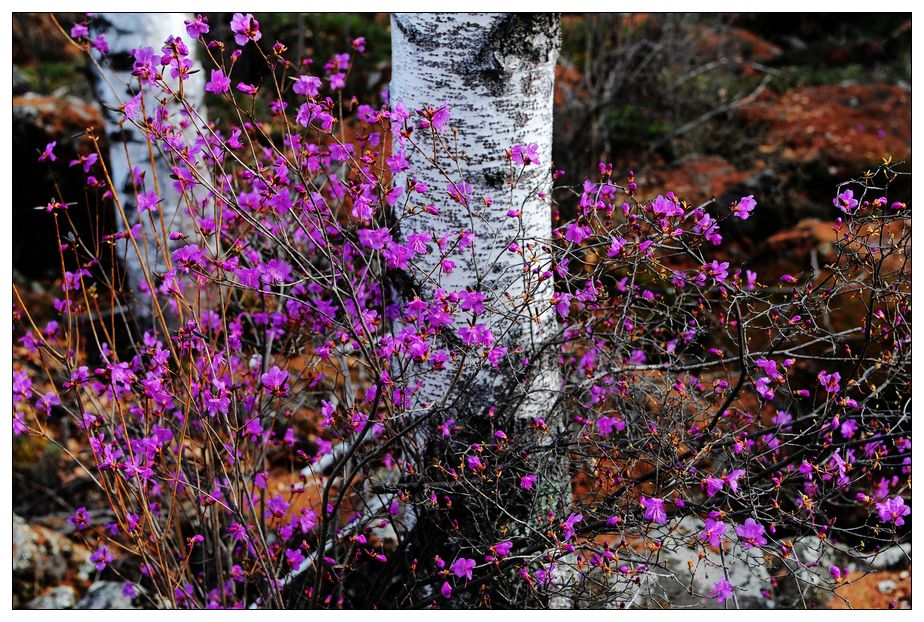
(723, 435)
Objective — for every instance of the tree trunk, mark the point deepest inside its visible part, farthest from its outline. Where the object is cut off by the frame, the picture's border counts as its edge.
(496, 71)
(129, 147)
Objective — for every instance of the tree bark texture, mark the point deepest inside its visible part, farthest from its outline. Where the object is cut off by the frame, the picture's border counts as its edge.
(496, 73)
(129, 147)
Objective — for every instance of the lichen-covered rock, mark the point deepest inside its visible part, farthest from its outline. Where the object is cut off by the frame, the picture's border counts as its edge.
(41, 558)
(105, 595)
(59, 597)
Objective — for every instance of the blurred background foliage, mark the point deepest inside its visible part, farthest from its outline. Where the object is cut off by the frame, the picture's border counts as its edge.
(781, 106)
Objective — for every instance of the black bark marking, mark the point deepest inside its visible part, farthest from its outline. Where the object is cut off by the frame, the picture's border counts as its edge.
(413, 35)
(532, 37)
(495, 177)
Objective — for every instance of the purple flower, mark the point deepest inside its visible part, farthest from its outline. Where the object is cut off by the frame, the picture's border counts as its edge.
(606, 425)
(712, 485)
(732, 479)
(22, 384)
(80, 520)
(219, 83)
(637, 357)
(722, 590)
(654, 509)
(49, 154)
(197, 27)
(848, 428)
(245, 28)
(276, 506)
(568, 525)
(463, 568)
(830, 381)
(132, 107)
(495, 355)
(769, 367)
(717, 270)
(893, 510)
(19, 424)
(503, 548)
(147, 201)
(471, 301)
(577, 233)
(562, 303)
(337, 81)
(440, 117)
(744, 206)
(294, 557)
(525, 155)
(275, 380)
(751, 534)
(666, 206)
(87, 161)
(446, 590)
(764, 389)
(845, 202)
(102, 557)
(528, 481)
(307, 86)
(713, 532)
(47, 402)
(80, 31)
(374, 238)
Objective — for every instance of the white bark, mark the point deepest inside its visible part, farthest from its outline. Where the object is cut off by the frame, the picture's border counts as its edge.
(128, 147)
(496, 71)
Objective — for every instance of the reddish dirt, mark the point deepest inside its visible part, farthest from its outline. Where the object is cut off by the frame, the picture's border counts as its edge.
(58, 116)
(862, 591)
(697, 177)
(841, 124)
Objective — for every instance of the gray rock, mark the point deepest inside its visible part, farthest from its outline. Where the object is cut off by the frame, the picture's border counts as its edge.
(105, 595)
(43, 558)
(60, 597)
(886, 587)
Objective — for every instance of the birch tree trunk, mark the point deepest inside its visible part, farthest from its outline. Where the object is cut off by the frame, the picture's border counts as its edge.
(128, 147)
(496, 71)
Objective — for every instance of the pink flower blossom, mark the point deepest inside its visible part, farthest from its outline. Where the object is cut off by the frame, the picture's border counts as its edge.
(713, 532)
(845, 202)
(830, 381)
(893, 510)
(751, 534)
(275, 381)
(653, 509)
(525, 155)
(219, 83)
(743, 207)
(245, 28)
(463, 567)
(722, 590)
